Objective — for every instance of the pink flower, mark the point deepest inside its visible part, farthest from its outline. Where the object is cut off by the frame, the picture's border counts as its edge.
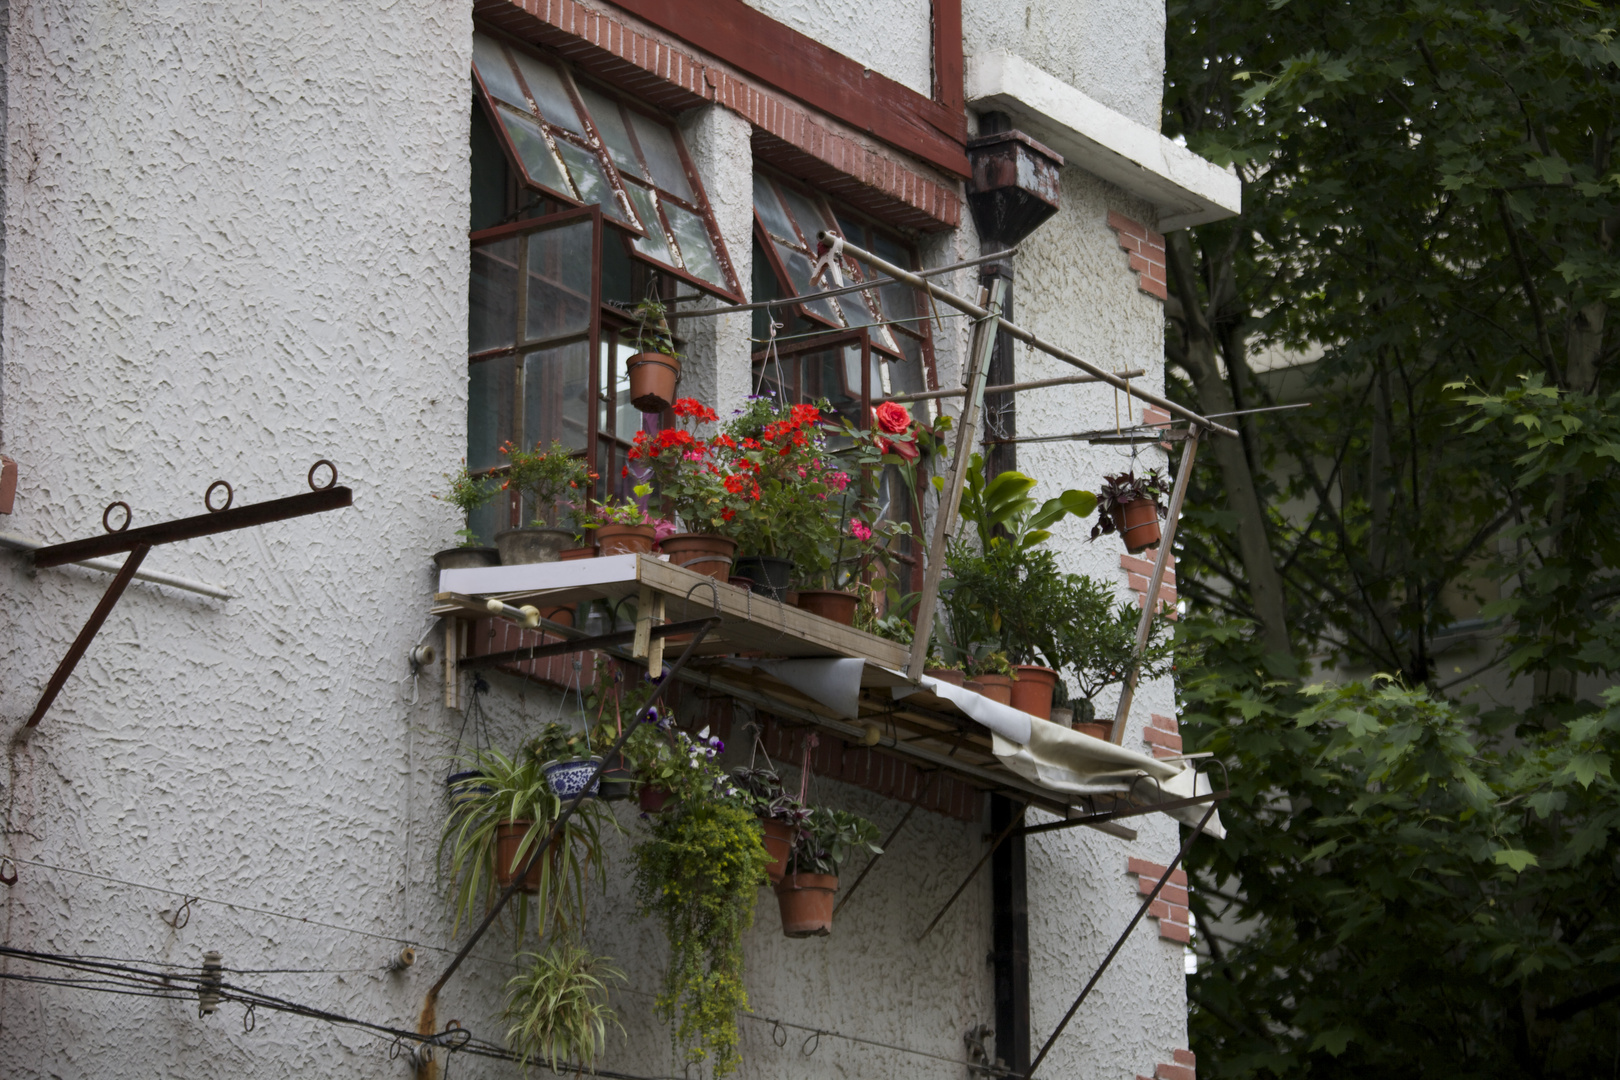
(663, 529)
(859, 529)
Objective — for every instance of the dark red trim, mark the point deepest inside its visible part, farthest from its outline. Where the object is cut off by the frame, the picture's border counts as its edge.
(948, 64)
(802, 67)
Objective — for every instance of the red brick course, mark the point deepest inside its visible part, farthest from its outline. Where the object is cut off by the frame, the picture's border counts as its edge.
(1170, 907)
(1145, 250)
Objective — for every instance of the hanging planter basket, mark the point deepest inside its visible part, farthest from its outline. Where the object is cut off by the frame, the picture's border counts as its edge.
(568, 778)
(652, 381)
(1138, 523)
(508, 839)
(806, 903)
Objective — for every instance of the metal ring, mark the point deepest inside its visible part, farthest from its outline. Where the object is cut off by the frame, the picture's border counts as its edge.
(250, 1019)
(778, 1036)
(5, 878)
(208, 496)
(811, 1044)
(128, 515)
(330, 483)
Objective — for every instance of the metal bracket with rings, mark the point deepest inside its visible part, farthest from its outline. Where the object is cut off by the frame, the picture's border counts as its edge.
(107, 513)
(313, 486)
(250, 1019)
(182, 914)
(8, 870)
(208, 497)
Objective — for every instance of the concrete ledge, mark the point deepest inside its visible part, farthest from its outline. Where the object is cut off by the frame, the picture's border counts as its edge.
(1185, 188)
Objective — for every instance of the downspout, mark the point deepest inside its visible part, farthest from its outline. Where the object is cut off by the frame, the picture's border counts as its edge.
(1014, 190)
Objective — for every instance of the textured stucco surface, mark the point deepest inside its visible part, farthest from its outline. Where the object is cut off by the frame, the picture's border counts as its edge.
(1113, 50)
(892, 37)
(237, 243)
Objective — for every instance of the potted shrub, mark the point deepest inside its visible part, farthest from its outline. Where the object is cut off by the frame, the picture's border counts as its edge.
(467, 493)
(689, 476)
(623, 527)
(780, 815)
(995, 673)
(655, 368)
(558, 1006)
(825, 842)
(1132, 507)
(541, 478)
(698, 872)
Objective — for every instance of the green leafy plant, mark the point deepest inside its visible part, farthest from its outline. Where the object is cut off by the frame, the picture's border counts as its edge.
(652, 333)
(761, 791)
(827, 838)
(559, 1007)
(625, 511)
(1124, 488)
(468, 493)
(1001, 510)
(543, 477)
(698, 873)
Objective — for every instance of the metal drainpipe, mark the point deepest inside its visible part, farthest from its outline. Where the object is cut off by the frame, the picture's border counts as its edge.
(1013, 190)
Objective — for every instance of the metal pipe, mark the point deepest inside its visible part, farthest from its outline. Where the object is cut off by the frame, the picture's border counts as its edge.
(1013, 388)
(156, 577)
(789, 301)
(964, 305)
(109, 599)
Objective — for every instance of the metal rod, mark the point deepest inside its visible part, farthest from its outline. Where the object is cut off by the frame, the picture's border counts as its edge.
(1138, 434)
(1132, 811)
(950, 498)
(563, 648)
(568, 811)
(156, 577)
(867, 869)
(168, 532)
(1008, 831)
(876, 283)
(1144, 625)
(962, 304)
(1013, 388)
(88, 634)
(1141, 911)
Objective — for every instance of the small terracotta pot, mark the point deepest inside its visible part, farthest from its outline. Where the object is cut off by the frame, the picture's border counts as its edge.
(1032, 693)
(625, 539)
(467, 558)
(1138, 523)
(997, 688)
(562, 616)
(652, 380)
(806, 902)
(778, 844)
(973, 685)
(577, 553)
(1095, 728)
(508, 836)
(651, 799)
(945, 674)
(703, 553)
(829, 604)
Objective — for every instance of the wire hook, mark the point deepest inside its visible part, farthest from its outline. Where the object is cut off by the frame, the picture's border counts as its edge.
(778, 1035)
(182, 914)
(812, 1043)
(8, 879)
(250, 1019)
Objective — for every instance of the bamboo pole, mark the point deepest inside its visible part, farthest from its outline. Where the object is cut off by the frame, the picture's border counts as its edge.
(1011, 388)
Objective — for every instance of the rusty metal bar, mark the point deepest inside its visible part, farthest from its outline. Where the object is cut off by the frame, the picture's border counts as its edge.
(82, 642)
(563, 648)
(1008, 831)
(169, 532)
(1131, 811)
(1119, 944)
(1012, 388)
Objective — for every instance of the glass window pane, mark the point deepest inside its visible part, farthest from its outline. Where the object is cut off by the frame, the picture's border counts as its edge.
(655, 243)
(663, 157)
(538, 160)
(627, 419)
(489, 519)
(559, 282)
(798, 268)
(770, 211)
(618, 273)
(556, 386)
(589, 180)
(806, 213)
(908, 377)
(899, 301)
(697, 249)
(546, 84)
(492, 296)
(490, 60)
(488, 173)
(604, 113)
(490, 390)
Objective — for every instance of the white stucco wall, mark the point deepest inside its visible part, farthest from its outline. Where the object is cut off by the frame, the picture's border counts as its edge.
(1112, 50)
(892, 37)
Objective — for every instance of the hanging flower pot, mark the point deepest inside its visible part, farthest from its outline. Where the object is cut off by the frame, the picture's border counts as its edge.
(703, 553)
(508, 839)
(829, 604)
(568, 778)
(779, 836)
(806, 903)
(996, 687)
(652, 380)
(465, 788)
(1138, 523)
(618, 782)
(768, 575)
(1032, 693)
(625, 539)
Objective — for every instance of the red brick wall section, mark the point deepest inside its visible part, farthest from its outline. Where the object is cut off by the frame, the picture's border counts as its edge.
(623, 50)
(1139, 573)
(1184, 1067)
(889, 776)
(1170, 909)
(493, 635)
(1163, 736)
(1146, 250)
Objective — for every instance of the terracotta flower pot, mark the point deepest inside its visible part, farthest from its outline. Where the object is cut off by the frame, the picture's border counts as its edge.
(651, 799)
(652, 380)
(703, 553)
(467, 558)
(1138, 524)
(829, 604)
(997, 688)
(625, 539)
(778, 844)
(945, 674)
(806, 902)
(1095, 728)
(531, 545)
(508, 836)
(577, 553)
(1032, 693)
(973, 685)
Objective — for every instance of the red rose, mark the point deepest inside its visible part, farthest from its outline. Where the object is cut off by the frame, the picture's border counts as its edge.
(892, 417)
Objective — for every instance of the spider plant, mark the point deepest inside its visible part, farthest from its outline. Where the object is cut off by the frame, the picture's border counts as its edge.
(558, 1007)
(505, 789)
